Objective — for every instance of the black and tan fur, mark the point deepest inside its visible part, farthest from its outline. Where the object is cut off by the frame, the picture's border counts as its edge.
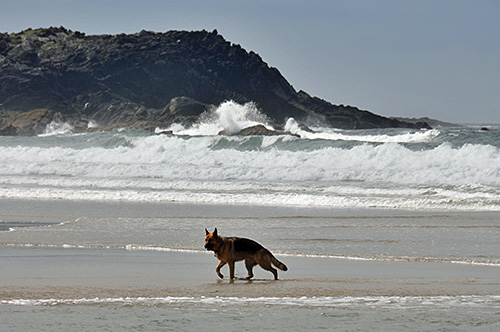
(232, 249)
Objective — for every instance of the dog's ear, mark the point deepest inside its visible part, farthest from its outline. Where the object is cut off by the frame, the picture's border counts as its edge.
(215, 231)
(206, 231)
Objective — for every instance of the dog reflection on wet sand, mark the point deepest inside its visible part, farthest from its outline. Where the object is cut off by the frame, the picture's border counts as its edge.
(232, 249)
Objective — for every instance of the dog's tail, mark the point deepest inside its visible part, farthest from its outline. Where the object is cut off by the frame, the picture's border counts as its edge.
(277, 263)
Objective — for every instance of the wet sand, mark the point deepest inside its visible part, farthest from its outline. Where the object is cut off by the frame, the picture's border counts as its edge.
(43, 273)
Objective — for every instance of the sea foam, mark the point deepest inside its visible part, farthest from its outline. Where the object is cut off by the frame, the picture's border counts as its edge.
(57, 128)
(229, 117)
(411, 136)
(303, 301)
(171, 168)
(388, 168)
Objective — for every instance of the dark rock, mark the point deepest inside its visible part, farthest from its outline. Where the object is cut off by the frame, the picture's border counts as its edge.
(305, 128)
(257, 130)
(423, 125)
(428, 123)
(32, 122)
(183, 110)
(254, 130)
(148, 80)
(166, 132)
(186, 106)
(9, 130)
(484, 129)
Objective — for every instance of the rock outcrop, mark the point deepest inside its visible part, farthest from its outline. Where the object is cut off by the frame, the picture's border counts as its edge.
(259, 130)
(146, 80)
(427, 123)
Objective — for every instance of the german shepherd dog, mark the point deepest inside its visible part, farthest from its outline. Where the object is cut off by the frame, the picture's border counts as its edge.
(232, 249)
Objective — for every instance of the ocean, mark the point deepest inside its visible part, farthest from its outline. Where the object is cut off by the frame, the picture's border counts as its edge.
(400, 225)
(444, 168)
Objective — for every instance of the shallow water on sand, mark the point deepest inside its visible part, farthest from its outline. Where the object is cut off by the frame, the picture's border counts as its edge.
(381, 235)
(73, 265)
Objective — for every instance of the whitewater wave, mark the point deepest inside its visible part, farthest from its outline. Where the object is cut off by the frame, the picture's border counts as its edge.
(293, 127)
(461, 301)
(174, 158)
(386, 168)
(229, 117)
(57, 128)
(254, 170)
(270, 196)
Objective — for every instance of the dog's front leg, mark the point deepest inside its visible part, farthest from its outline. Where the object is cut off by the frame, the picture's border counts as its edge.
(231, 270)
(217, 269)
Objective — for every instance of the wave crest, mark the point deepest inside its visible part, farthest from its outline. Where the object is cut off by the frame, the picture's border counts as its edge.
(229, 117)
(57, 128)
(411, 136)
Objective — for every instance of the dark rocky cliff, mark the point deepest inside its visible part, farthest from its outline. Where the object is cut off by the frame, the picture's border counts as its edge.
(145, 80)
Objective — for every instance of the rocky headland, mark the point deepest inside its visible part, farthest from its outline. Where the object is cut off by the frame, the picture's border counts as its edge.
(147, 80)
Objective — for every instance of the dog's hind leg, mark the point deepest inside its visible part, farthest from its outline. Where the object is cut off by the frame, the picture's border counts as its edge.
(265, 263)
(249, 263)
(217, 269)
(272, 270)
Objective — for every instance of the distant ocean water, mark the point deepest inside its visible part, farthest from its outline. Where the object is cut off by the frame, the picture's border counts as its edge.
(455, 169)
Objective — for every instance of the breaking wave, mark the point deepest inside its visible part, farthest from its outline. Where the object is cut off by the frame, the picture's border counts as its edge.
(57, 128)
(388, 168)
(229, 117)
(293, 127)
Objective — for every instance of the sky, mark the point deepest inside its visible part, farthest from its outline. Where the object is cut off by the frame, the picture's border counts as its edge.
(434, 58)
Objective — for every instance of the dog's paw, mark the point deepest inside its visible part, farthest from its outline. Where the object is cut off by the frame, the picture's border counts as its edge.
(220, 275)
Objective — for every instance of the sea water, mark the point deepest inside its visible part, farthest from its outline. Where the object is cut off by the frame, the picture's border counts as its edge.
(465, 313)
(437, 169)
(429, 196)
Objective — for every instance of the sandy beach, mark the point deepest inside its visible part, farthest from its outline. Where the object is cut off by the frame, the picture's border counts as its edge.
(45, 269)
(85, 265)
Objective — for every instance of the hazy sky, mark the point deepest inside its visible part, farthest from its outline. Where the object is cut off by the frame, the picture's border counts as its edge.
(437, 58)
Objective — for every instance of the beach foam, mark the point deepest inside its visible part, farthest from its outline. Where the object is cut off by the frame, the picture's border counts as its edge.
(327, 301)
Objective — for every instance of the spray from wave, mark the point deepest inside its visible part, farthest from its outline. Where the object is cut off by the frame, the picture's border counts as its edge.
(57, 128)
(229, 117)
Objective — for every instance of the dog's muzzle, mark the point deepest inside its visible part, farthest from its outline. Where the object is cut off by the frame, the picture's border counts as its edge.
(209, 246)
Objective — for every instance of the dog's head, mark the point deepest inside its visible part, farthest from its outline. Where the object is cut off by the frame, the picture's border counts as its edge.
(212, 240)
